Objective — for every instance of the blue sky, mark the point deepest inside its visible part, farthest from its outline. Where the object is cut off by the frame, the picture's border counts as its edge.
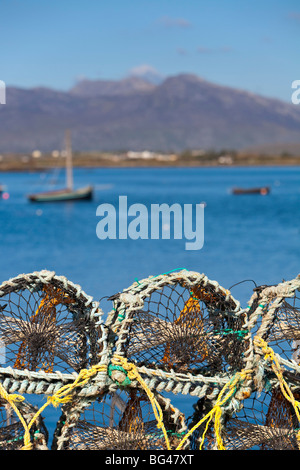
(247, 44)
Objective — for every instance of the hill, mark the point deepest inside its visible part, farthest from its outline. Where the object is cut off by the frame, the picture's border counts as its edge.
(182, 112)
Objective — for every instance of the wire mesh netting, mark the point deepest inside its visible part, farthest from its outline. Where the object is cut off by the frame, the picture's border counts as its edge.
(176, 333)
(266, 422)
(12, 430)
(124, 420)
(185, 329)
(42, 328)
(284, 332)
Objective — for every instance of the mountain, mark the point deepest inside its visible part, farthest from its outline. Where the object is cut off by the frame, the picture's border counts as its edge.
(127, 86)
(182, 112)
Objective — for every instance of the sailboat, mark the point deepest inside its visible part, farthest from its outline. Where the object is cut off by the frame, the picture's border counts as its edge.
(68, 193)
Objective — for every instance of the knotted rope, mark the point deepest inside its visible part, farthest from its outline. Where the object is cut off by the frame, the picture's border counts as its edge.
(12, 399)
(270, 355)
(133, 374)
(216, 411)
(63, 395)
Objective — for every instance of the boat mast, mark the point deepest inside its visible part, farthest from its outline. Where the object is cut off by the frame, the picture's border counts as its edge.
(69, 164)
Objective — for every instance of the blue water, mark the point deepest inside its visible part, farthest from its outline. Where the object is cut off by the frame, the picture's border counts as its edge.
(245, 237)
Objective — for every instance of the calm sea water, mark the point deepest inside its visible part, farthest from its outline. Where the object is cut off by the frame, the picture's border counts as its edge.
(245, 237)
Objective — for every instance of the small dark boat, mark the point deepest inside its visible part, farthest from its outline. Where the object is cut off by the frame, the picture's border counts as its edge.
(263, 191)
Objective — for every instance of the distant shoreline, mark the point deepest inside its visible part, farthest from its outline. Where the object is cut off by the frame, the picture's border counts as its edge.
(20, 163)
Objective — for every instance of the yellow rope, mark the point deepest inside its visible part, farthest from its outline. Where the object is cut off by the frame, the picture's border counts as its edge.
(216, 411)
(13, 398)
(285, 389)
(63, 395)
(133, 374)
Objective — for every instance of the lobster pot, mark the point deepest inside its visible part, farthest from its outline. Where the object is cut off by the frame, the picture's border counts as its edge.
(127, 383)
(48, 326)
(267, 421)
(12, 429)
(275, 317)
(118, 420)
(181, 323)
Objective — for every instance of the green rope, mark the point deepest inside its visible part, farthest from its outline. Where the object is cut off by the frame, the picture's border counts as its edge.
(112, 367)
(162, 274)
(227, 331)
(172, 271)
